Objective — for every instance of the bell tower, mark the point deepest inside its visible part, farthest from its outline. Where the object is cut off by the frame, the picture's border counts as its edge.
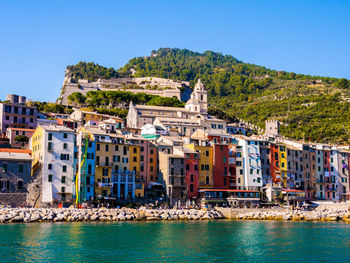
(199, 99)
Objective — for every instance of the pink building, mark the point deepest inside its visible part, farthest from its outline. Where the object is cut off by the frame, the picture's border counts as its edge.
(17, 116)
(12, 133)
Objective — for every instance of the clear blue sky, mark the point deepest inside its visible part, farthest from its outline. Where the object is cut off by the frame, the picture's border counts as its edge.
(38, 39)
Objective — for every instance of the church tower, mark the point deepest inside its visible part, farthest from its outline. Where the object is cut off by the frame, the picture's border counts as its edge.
(199, 100)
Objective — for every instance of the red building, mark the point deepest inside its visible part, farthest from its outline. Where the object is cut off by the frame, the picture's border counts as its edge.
(69, 123)
(221, 166)
(192, 172)
(274, 167)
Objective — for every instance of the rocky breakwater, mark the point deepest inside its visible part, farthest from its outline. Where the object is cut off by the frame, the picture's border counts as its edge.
(28, 215)
(320, 214)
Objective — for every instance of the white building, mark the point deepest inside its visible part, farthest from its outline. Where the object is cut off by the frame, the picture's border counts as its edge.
(251, 163)
(53, 148)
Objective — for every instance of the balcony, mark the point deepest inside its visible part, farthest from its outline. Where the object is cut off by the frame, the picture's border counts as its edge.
(123, 178)
(104, 164)
(104, 185)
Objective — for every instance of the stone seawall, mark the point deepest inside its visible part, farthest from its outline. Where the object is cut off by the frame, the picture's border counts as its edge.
(27, 215)
(329, 213)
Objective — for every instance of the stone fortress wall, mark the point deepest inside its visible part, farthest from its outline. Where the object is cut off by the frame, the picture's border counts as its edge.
(165, 87)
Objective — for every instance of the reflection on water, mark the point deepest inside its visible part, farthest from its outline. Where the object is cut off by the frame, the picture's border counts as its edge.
(225, 241)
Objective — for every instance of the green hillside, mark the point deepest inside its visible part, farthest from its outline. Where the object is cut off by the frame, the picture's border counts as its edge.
(311, 107)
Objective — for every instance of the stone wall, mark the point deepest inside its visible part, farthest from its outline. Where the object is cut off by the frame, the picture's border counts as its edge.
(172, 87)
(13, 199)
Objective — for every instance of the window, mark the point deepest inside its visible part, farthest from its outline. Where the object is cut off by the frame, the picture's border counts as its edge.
(49, 166)
(64, 157)
(50, 178)
(106, 147)
(141, 158)
(63, 179)
(187, 167)
(192, 177)
(64, 168)
(224, 160)
(98, 146)
(207, 179)
(151, 151)
(20, 184)
(63, 189)
(135, 159)
(65, 146)
(191, 188)
(20, 168)
(134, 150)
(172, 171)
(196, 167)
(116, 148)
(50, 137)
(65, 135)
(49, 146)
(207, 153)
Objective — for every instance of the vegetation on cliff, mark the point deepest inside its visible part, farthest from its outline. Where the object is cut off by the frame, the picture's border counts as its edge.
(116, 102)
(90, 71)
(310, 107)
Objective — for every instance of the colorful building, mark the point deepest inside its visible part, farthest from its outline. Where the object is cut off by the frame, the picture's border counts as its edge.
(53, 149)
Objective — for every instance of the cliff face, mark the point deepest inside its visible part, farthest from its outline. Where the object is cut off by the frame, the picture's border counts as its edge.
(150, 85)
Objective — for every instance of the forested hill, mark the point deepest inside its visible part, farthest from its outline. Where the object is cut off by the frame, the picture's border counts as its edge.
(310, 107)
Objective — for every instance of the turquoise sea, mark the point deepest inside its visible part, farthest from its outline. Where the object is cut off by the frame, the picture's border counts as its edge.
(214, 241)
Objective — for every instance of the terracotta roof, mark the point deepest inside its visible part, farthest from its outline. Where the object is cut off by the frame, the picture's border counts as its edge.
(21, 129)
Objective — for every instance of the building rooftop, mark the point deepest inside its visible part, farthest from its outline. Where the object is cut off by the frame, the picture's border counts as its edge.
(56, 128)
(15, 156)
(116, 118)
(148, 107)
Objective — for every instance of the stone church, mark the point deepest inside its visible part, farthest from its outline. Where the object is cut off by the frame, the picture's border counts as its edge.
(196, 108)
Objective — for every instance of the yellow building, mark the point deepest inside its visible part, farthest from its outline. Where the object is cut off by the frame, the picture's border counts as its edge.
(205, 165)
(103, 170)
(37, 145)
(282, 156)
(134, 166)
